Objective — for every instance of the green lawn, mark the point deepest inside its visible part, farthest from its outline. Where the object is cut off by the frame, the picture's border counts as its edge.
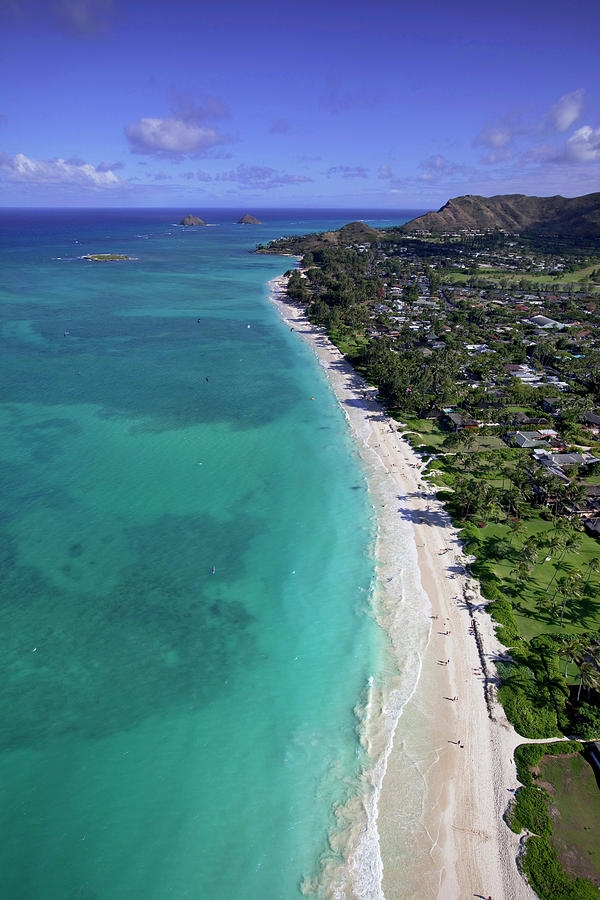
(574, 278)
(575, 813)
(532, 598)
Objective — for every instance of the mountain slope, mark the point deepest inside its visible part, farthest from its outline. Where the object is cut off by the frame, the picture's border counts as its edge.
(577, 216)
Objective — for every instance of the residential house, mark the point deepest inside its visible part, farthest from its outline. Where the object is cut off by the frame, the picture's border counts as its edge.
(544, 322)
(552, 405)
(523, 419)
(458, 421)
(555, 463)
(592, 420)
(529, 439)
(592, 526)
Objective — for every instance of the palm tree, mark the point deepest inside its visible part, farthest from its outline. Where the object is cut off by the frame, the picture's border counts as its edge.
(569, 589)
(569, 495)
(572, 646)
(593, 566)
(531, 548)
(589, 674)
(517, 529)
(566, 539)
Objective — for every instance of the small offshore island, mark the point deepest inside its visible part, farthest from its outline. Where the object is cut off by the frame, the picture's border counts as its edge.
(469, 339)
(191, 220)
(107, 257)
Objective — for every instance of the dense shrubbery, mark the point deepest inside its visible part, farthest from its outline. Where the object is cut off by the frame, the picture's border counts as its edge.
(501, 612)
(587, 722)
(530, 813)
(548, 879)
(527, 756)
(533, 692)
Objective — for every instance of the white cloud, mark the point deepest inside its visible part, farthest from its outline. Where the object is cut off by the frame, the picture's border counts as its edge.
(77, 18)
(566, 110)
(108, 167)
(435, 167)
(584, 145)
(171, 137)
(22, 168)
(347, 172)
(197, 108)
(496, 136)
(497, 156)
(262, 177)
(258, 177)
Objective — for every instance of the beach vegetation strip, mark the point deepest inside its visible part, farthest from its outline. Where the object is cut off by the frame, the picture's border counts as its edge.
(557, 810)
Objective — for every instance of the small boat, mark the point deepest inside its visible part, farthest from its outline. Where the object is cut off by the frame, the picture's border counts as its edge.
(212, 571)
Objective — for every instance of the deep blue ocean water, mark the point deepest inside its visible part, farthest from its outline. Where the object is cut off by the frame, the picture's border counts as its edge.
(167, 731)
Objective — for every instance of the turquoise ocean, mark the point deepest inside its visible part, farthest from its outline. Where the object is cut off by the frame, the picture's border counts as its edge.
(170, 731)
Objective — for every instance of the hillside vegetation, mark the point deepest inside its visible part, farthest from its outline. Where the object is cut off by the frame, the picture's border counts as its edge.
(578, 216)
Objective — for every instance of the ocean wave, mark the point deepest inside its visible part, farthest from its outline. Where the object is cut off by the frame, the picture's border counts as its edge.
(352, 867)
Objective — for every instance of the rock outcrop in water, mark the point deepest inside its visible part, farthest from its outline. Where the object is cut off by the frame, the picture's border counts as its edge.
(192, 220)
(249, 220)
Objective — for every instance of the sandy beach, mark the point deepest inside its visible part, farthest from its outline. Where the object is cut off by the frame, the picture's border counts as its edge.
(430, 824)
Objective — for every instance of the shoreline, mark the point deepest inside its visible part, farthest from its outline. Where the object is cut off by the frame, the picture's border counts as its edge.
(429, 824)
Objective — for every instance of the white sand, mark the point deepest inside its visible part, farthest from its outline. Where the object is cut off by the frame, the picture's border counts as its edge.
(432, 825)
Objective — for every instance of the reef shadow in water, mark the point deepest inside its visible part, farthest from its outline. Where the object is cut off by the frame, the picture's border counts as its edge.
(171, 375)
(166, 639)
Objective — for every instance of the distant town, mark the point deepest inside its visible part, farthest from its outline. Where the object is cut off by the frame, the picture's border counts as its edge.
(478, 332)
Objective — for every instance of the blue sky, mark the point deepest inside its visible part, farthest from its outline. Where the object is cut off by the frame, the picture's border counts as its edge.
(267, 104)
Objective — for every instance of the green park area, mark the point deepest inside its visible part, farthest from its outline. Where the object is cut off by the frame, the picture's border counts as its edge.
(559, 806)
(538, 569)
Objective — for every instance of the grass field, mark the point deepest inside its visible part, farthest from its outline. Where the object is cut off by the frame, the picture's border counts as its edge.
(536, 605)
(571, 278)
(531, 597)
(575, 813)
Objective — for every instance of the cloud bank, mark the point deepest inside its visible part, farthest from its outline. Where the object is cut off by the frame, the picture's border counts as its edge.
(24, 169)
(566, 111)
(171, 138)
(258, 177)
(76, 18)
(186, 132)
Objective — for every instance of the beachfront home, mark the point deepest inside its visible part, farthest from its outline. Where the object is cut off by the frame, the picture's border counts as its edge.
(555, 463)
(457, 421)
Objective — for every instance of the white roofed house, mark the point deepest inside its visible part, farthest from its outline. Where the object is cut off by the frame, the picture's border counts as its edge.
(544, 322)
